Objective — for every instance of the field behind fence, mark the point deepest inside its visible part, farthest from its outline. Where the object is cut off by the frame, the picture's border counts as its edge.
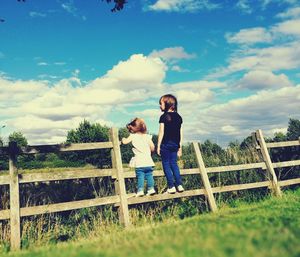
(121, 199)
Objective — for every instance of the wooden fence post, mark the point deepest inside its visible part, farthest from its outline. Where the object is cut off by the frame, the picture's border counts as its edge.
(120, 181)
(268, 162)
(205, 179)
(15, 222)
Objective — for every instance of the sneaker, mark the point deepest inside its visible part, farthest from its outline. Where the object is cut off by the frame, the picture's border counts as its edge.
(171, 190)
(151, 191)
(180, 189)
(139, 194)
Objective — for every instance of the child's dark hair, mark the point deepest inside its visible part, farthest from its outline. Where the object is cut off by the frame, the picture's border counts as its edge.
(170, 102)
(137, 125)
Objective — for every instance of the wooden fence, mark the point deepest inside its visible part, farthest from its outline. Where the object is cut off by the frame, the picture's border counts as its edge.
(121, 199)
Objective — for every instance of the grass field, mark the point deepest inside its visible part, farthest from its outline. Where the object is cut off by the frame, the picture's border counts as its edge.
(267, 228)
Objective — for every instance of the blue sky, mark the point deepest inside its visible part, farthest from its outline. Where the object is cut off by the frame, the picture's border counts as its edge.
(234, 65)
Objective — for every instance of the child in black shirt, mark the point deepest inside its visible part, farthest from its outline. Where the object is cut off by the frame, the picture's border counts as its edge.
(170, 141)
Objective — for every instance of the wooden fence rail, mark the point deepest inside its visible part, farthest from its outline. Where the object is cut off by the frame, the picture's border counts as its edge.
(121, 199)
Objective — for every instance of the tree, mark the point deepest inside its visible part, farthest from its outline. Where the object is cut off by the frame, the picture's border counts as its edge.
(293, 131)
(85, 133)
(19, 138)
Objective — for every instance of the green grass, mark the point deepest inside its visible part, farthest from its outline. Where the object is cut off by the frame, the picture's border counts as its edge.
(268, 228)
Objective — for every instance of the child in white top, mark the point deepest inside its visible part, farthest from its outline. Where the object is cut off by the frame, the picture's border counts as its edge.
(142, 162)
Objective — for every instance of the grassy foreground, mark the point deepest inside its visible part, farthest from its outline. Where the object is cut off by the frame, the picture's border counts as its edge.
(268, 228)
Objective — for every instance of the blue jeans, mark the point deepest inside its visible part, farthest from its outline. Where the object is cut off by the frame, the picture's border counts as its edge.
(143, 173)
(168, 153)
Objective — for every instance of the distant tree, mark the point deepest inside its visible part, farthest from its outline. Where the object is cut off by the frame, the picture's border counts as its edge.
(19, 138)
(85, 133)
(279, 137)
(1, 142)
(293, 131)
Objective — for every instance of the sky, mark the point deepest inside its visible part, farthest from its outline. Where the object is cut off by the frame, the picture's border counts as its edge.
(234, 66)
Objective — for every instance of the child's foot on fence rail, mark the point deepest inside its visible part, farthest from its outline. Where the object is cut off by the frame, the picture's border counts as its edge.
(151, 191)
(171, 190)
(139, 194)
(180, 189)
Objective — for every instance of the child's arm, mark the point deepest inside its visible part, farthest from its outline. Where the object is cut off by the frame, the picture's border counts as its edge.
(127, 140)
(160, 136)
(152, 146)
(179, 153)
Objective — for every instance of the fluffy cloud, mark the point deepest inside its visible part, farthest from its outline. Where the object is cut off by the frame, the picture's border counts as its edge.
(274, 58)
(266, 110)
(290, 13)
(249, 36)
(172, 54)
(290, 27)
(45, 113)
(259, 79)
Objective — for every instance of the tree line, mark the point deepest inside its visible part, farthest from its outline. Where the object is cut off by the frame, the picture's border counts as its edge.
(94, 132)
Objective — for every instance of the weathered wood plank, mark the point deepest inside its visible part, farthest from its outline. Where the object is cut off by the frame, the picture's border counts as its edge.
(286, 164)
(65, 175)
(4, 179)
(59, 207)
(240, 187)
(165, 196)
(15, 223)
(5, 214)
(283, 144)
(289, 182)
(120, 181)
(64, 147)
(248, 166)
(204, 177)
(268, 162)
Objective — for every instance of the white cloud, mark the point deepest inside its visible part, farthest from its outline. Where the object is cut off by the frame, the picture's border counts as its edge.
(259, 79)
(290, 27)
(266, 110)
(37, 14)
(182, 5)
(249, 36)
(274, 58)
(172, 54)
(69, 7)
(60, 63)
(290, 13)
(138, 72)
(229, 130)
(244, 6)
(178, 69)
(42, 64)
(50, 111)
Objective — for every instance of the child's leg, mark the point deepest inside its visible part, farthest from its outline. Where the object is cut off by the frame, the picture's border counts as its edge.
(140, 179)
(149, 178)
(165, 159)
(175, 168)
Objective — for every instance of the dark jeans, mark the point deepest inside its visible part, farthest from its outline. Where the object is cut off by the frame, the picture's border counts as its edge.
(168, 153)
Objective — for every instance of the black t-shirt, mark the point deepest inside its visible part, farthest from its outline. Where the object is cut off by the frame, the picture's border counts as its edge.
(172, 121)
